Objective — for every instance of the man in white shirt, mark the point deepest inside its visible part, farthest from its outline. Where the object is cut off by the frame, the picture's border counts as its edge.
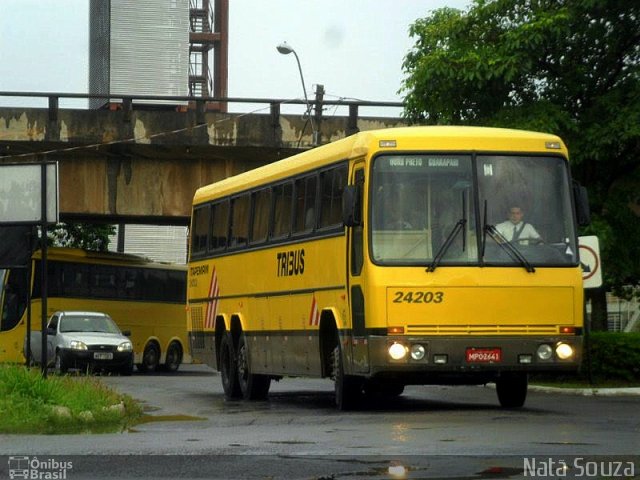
(516, 230)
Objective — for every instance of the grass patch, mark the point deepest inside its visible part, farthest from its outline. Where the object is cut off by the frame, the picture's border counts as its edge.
(32, 404)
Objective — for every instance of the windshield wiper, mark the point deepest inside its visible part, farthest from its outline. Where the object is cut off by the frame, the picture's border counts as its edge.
(460, 224)
(507, 246)
(447, 243)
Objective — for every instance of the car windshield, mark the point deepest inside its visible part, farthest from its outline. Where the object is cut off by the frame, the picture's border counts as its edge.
(437, 209)
(88, 323)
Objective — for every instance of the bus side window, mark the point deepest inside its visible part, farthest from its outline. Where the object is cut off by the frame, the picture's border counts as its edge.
(219, 226)
(282, 202)
(75, 280)
(261, 207)
(305, 204)
(239, 232)
(103, 281)
(176, 286)
(201, 218)
(332, 184)
(128, 283)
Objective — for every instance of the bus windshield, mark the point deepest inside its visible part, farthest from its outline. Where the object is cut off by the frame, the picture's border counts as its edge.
(506, 210)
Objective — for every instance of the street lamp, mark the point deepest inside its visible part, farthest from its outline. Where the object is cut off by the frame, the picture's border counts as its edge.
(285, 49)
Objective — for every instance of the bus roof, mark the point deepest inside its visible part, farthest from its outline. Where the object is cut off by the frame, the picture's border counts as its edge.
(87, 256)
(419, 138)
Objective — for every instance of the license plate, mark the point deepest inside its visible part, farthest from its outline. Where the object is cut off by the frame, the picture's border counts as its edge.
(103, 356)
(484, 355)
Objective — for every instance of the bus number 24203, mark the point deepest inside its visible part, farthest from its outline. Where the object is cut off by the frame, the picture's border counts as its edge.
(418, 297)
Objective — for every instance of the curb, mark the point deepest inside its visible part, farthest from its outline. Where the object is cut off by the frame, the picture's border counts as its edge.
(588, 392)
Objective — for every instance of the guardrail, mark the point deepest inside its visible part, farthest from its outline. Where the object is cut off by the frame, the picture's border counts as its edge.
(201, 105)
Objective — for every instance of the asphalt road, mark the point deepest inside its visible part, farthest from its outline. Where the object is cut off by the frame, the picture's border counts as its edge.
(430, 432)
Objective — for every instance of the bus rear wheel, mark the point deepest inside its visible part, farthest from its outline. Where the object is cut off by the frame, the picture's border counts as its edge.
(174, 357)
(252, 386)
(229, 368)
(512, 389)
(150, 359)
(348, 388)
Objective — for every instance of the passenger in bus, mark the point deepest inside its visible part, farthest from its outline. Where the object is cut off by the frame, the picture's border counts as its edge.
(310, 219)
(516, 230)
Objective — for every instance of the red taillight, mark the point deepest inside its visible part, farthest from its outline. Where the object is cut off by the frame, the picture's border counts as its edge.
(568, 330)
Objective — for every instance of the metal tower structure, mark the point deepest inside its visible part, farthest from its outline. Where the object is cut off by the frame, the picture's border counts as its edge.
(209, 42)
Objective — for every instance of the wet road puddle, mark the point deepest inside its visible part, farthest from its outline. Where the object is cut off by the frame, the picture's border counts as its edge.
(144, 419)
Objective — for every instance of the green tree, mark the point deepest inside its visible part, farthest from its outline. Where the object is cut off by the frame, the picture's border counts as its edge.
(569, 67)
(81, 235)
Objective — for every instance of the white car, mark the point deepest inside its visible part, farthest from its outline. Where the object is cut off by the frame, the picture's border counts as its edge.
(84, 340)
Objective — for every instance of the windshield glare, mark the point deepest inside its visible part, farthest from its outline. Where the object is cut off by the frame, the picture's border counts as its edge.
(465, 210)
(77, 323)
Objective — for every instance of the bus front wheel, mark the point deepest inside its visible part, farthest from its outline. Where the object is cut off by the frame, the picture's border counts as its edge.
(229, 368)
(252, 386)
(348, 388)
(512, 389)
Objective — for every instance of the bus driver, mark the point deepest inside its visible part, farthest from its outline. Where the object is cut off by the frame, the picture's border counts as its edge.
(515, 229)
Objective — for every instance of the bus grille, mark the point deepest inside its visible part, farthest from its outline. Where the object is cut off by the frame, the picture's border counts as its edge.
(197, 322)
(482, 329)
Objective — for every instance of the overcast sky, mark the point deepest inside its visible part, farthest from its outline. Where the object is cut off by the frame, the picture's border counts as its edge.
(354, 48)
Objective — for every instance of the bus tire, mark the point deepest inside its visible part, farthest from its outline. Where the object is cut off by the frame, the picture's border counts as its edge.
(373, 388)
(174, 357)
(150, 359)
(252, 386)
(229, 368)
(348, 388)
(512, 389)
(60, 365)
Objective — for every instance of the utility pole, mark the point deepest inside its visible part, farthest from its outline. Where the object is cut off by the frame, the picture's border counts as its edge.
(317, 106)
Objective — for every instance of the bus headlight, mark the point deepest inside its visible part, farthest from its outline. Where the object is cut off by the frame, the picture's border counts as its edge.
(397, 351)
(564, 351)
(77, 345)
(125, 347)
(417, 351)
(545, 352)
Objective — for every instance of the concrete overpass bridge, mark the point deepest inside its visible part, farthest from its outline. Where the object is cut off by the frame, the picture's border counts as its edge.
(135, 163)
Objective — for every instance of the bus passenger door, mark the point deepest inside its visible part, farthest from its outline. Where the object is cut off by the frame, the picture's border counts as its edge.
(360, 354)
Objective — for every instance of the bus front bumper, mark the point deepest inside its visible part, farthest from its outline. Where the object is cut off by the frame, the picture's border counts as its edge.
(468, 357)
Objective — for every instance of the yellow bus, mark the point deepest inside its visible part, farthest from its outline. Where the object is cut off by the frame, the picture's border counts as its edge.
(144, 297)
(381, 261)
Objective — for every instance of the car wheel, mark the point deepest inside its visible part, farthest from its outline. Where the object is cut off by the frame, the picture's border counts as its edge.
(60, 366)
(127, 370)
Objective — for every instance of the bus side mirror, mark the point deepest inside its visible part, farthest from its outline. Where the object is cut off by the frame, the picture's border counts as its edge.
(581, 200)
(351, 206)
